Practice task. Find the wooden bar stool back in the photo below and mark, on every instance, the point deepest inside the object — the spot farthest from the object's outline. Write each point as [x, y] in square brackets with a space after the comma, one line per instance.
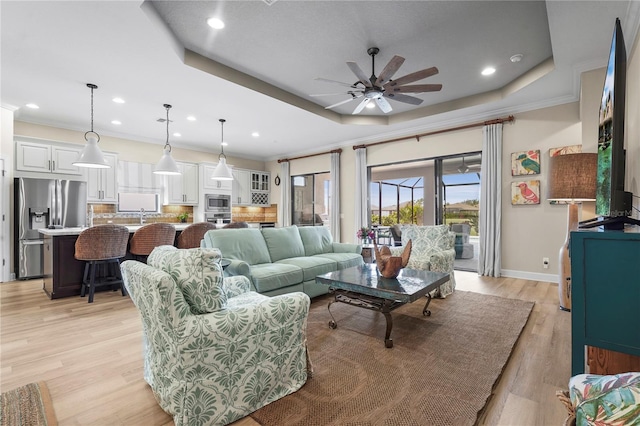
[102, 247]
[150, 236]
[191, 236]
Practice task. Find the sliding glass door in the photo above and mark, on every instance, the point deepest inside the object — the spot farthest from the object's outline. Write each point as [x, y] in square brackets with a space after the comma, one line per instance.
[310, 199]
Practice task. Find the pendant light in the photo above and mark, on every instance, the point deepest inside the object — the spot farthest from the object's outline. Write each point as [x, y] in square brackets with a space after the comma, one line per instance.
[222, 171]
[91, 156]
[167, 165]
[463, 167]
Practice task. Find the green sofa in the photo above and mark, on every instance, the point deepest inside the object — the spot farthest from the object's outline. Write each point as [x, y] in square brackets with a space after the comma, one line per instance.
[283, 260]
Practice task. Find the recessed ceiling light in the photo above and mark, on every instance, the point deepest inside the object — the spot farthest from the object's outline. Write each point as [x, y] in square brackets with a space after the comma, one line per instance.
[255, 134]
[371, 105]
[224, 144]
[488, 71]
[215, 23]
[516, 58]
[177, 135]
[32, 106]
[118, 100]
[116, 122]
[191, 118]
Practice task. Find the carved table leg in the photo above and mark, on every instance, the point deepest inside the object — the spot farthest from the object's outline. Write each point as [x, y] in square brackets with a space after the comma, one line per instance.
[426, 311]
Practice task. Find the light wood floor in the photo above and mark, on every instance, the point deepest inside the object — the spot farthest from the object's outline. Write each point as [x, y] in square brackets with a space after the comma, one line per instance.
[90, 355]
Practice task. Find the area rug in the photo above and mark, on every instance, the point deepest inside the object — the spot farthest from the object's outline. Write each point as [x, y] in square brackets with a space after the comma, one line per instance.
[27, 405]
[441, 370]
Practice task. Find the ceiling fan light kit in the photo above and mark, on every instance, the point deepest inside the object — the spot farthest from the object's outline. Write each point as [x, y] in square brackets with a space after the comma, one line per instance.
[222, 171]
[381, 88]
[167, 165]
[91, 155]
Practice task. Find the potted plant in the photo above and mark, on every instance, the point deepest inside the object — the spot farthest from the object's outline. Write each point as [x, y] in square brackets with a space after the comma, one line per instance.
[182, 217]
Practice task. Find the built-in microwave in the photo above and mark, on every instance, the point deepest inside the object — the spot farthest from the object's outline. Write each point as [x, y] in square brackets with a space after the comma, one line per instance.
[217, 203]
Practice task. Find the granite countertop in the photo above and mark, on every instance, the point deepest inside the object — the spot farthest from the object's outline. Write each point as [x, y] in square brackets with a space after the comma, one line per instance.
[77, 231]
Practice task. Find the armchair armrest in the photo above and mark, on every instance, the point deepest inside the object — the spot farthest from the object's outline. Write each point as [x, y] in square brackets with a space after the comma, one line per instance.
[236, 285]
[443, 261]
[238, 267]
[346, 248]
[279, 322]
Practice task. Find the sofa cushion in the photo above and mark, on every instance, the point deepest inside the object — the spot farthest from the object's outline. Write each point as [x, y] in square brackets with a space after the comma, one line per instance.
[283, 243]
[197, 273]
[343, 260]
[316, 239]
[311, 266]
[427, 240]
[245, 244]
[271, 276]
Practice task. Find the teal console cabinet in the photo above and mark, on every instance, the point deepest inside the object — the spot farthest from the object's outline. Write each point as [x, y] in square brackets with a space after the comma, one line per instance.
[605, 293]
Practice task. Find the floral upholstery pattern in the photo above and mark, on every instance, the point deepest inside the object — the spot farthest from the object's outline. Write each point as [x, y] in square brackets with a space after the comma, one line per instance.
[217, 367]
[198, 274]
[605, 400]
[433, 249]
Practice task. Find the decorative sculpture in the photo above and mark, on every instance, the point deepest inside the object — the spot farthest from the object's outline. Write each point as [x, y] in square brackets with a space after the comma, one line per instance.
[389, 266]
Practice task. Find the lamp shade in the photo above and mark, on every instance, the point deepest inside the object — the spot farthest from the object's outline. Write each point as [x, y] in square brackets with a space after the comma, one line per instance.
[572, 177]
[222, 171]
[166, 165]
[91, 156]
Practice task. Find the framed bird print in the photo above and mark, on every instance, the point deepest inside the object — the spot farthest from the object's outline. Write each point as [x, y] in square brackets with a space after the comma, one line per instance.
[525, 192]
[525, 163]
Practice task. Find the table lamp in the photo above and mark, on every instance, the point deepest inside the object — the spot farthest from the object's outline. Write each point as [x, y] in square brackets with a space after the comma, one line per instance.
[572, 178]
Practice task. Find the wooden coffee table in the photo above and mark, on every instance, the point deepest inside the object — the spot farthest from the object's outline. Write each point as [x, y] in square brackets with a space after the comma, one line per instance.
[363, 286]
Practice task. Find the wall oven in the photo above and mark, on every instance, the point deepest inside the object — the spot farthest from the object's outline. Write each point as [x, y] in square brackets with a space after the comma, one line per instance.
[217, 203]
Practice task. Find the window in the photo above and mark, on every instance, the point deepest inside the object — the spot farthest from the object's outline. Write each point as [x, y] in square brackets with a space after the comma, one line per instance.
[310, 199]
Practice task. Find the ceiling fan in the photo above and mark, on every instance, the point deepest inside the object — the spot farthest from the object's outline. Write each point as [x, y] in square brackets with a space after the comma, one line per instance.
[381, 88]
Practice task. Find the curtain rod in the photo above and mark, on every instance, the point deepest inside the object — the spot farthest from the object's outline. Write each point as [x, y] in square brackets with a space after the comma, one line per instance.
[451, 129]
[339, 151]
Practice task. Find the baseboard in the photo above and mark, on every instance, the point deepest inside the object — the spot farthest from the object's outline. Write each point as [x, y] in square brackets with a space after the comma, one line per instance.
[533, 276]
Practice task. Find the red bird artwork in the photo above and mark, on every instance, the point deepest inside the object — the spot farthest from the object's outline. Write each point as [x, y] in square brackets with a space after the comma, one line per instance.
[528, 194]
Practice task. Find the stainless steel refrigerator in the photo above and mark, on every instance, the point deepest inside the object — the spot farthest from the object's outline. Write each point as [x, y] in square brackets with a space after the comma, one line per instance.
[43, 203]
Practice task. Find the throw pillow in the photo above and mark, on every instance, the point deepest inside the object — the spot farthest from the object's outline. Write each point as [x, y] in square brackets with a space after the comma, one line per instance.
[197, 273]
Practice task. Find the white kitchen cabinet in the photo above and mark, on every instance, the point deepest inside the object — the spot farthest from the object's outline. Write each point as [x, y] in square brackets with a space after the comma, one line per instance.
[183, 189]
[219, 186]
[260, 188]
[102, 184]
[136, 177]
[47, 158]
[241, 194]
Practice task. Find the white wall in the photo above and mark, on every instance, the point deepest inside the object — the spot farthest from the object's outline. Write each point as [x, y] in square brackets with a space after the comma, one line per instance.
[6, 193]
[632, 123]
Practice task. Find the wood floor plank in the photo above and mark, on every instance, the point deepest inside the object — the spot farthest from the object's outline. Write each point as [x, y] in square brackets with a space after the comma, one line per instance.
[91, 355]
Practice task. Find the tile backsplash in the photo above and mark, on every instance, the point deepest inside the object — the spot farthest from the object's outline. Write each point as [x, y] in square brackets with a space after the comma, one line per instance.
[106, 213]
[255, 214]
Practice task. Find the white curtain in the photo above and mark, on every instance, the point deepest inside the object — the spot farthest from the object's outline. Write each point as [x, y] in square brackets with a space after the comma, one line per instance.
[362, 218]
[490, 201]
[285, 195]
[334, 214]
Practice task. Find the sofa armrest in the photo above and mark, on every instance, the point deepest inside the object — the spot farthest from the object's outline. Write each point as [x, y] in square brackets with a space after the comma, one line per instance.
[346, 248]
[442, 261]
[236, 285]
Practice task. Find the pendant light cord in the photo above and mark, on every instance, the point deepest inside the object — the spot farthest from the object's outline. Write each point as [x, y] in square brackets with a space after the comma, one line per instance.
[222, 121]
[167, 144]
[91, 86]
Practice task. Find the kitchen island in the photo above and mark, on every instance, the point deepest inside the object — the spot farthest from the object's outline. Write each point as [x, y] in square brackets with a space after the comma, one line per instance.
[62, 272]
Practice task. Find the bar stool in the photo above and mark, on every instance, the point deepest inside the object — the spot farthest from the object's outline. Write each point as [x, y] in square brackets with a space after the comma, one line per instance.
[150, 236]
[102, 245]
[191, 236]
[236, 225]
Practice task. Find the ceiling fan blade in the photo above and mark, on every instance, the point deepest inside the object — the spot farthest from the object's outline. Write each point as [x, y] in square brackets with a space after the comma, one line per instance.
[361, 106]
[404, 98]
[341, 103]
[326, 80]
[414, 76]
[327, 94]
[384, 105]
[414, 88]
[389, 70]
[359, 73]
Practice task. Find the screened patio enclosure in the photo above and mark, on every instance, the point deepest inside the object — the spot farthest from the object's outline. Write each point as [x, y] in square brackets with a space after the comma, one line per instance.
[443, 190]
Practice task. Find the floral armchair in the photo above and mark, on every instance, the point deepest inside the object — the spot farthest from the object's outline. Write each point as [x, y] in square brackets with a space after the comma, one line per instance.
[213, 350]
[433, 249]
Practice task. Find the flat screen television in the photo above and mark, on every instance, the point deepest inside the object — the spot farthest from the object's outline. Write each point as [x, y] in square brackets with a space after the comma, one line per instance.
[613, 203]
